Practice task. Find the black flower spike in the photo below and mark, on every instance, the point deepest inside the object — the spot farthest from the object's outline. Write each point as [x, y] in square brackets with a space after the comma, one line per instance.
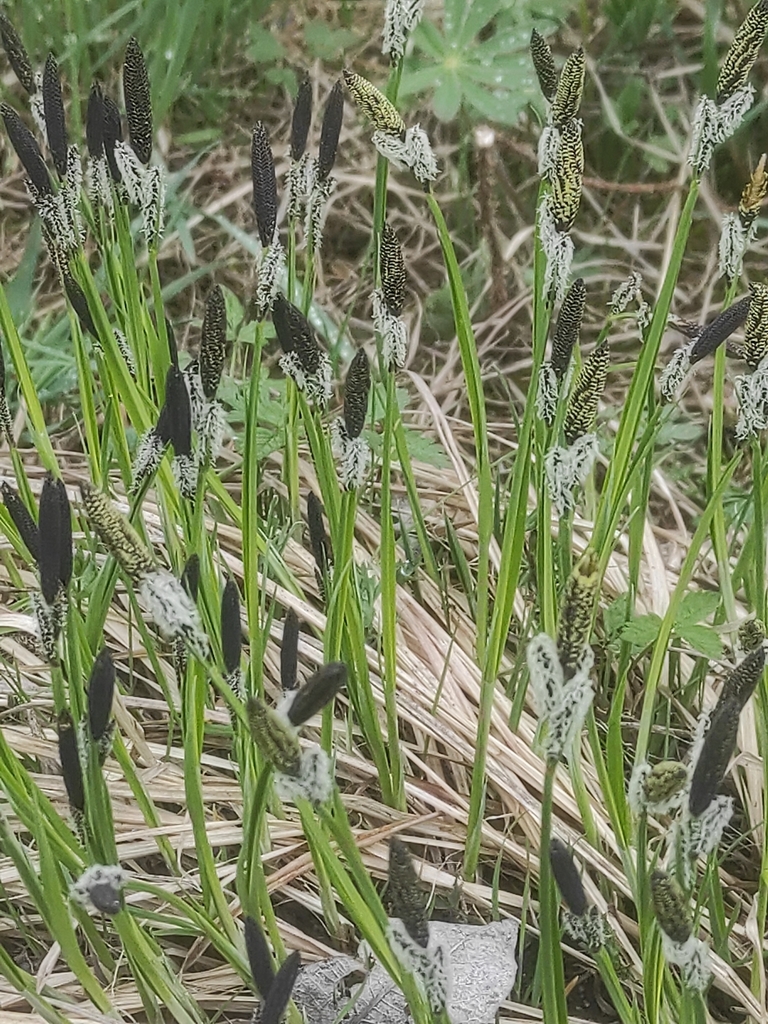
[190, 576]
[94, 121]
[6, 423]
[174, 425]
[112, 134]
[567, 877]
[22, 519]
[570, 86]
[79, 303]
[277, 1001]
[231, 630]
[743, 51]
[716, 751]
[65, 534]
[356, 390]
[17, 55]
[50, 538]
[720, 329]
[318, 690]
[302, 118]
[392, 269]
[138, 103]
[331, 130]
[406, 895]
[71, 768]
[55, 120]
[295, 334]
[544, 65]
[582, 407]
[670, 907]
[264, 184]
[318, 539]
[289, 651]
[742, 682]
[568, 327]
[101, 693]
[259, 958]
[27, 150]
[213, 342]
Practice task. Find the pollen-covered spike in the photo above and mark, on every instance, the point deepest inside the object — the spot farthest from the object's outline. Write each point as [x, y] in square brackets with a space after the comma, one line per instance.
[101, 693]
[743, 51]
[69, 758]
[568, 327]
[280, 993]
[406, 895]
[716, 751]
[190, 576]
[259, 957]
[751, 634]
[742, 681]
[295, 334]
[112, 134]
[570, 87]
[720, 329]
[79, 303]
[289, 651]
[275, 739]
[213, 342]
[94, 122]
[755, 344]
[576, 611]
[582, 407]
[264, 184]
[392, 269]
[567, 877]
[319, 689]
[753, 195]
[356, 390]
[116, 533]
[17, 55]
[333, 115]
[544, 65]
[231, 630]
[65, 533]
[567, 177]
[670, 907]
[138, 102]
[27, 150]
[49, 548]
[374, 104]
[302, 118]
[22, 519]
[318, 538]
[664, 781]
[55, 120]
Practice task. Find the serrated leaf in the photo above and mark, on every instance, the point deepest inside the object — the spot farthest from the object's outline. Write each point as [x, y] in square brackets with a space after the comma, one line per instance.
[703, 639]
[696, 606]
[642, 631]
[615, 614]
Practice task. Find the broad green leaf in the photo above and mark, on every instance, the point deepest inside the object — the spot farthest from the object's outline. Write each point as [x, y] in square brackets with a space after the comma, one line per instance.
[696, 606]
[447, 98]
[642, 631]
[703, 639]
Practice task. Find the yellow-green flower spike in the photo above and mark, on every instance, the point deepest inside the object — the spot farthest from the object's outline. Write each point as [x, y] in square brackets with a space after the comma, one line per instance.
[567, 176]
[664, 781]
[741, 56]
[544, 65]
[753, 195]
[276, 740]
[670, 907]
[756, 328]
[116, 533]
[576, 611]
[570, 87]
[374, 104]
[582, 407]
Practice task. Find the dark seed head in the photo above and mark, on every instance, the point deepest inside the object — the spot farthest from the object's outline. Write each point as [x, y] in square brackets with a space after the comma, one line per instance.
[50, 540]
[544, 65]
[22, 519]
[742, 682]
[356, 389]
[190, 576]
[276, 1002]
[318, 690]
[138, 103]
[69, 757]
[318, 538]
[392, 269]
[264, 184]
[231, 630]
[289, 651]
[17, 55]
[406, 895]
[94, 122]
[106, 896]
[567, 877]
[213, 342]
[79, 303]
[174, 425]
[65, 534]
[720, 329]
[716, 751]
[101, 692]
[295, 334]
[302, 118]
[568, 327]
[331, 130]
[670, 908]
[55, 121]
[259, 958]
[27, 150]
[112, 134]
